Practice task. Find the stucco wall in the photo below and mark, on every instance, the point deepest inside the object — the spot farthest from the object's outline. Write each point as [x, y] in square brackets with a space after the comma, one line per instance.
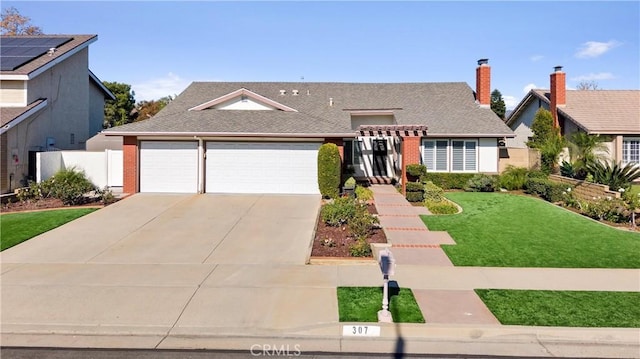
[96, 110]
[488, 155]
[66, 88]
[520, 157]
[522, 125]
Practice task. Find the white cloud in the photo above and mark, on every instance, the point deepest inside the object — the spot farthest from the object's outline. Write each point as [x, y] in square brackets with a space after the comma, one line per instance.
[528, 88]
[593, 77]
[594, 48]
[154, 89]
[510, 101]
[536, 58]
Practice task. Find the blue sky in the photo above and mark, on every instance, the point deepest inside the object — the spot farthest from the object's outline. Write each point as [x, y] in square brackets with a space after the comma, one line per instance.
[159, 47]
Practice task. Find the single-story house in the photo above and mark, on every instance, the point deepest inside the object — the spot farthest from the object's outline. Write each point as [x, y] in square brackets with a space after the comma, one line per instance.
[49, 100]
[263, 137]
[614, 114]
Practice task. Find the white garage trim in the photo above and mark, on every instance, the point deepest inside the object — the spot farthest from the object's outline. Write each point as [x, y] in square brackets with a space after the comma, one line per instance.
[262, 167]
[169, 166]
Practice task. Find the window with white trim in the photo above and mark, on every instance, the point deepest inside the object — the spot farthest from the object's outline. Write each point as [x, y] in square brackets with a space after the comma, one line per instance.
[435, 155]
[464, 155]
[631, 150]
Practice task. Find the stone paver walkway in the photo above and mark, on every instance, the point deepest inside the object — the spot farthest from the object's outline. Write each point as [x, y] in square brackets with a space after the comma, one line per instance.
[414, 244]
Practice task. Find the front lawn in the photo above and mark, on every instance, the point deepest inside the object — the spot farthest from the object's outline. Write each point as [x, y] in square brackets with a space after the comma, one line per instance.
[361, 304]
[563, 308]
[18, 227]
[506, 230]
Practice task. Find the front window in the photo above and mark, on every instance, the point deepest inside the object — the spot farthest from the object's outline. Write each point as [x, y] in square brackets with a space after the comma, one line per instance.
[435, 156]
[353, 152]
[463, 155]
[454, 155]
[631, 150]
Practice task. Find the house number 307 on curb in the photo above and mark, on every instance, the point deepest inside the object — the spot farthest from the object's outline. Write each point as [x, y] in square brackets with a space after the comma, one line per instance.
[361, 330]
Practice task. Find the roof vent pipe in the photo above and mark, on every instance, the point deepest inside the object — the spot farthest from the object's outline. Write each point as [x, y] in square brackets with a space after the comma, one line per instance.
[330, 101]
[294, 92]
[283, 92]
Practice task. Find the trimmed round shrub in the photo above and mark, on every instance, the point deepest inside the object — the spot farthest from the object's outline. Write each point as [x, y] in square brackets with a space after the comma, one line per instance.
[481, 183]
[329, 170]
[433, 192]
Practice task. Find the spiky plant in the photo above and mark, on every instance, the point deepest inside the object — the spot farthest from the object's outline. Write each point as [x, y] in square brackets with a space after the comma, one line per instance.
[614, 175]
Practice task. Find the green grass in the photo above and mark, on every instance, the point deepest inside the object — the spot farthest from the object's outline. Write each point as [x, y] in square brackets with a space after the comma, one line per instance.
[506, 230]
[16, 228]
[361, 304]
[563, 308]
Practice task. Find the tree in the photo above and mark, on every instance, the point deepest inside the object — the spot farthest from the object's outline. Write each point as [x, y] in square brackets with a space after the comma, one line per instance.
[547, 139]
[497, 104]
[12, 23]
[587, 85]
[119, 112]
[147, 109]
[542, 128]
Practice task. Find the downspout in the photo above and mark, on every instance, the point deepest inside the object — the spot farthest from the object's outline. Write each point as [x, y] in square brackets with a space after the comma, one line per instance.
[201, 161]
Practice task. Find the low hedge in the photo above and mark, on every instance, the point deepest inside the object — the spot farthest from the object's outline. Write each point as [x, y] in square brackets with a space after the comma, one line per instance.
[415, 187]
[415, 196]
[547, 189]
[441, 207]
[449, 180]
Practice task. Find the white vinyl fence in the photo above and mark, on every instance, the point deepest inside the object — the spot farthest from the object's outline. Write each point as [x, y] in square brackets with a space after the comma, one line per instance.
[104, 169]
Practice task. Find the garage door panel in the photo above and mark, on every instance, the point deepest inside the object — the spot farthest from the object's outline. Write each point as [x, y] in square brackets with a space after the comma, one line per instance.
[167, 166]
[262, 167]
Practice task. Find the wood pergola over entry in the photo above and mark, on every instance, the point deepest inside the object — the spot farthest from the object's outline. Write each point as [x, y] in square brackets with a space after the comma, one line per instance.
[410, 136]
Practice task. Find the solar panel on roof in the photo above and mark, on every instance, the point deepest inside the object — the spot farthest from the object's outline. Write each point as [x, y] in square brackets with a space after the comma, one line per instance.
[17, 51]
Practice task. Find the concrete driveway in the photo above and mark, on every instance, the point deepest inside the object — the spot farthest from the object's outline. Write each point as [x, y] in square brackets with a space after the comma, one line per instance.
[188, 229]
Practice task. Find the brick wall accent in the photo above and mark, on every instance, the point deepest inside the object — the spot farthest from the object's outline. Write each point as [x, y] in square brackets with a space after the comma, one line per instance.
[410, 155]
[130, 164]
[586, 190]
[558, 94]
[338, 142]
[483, 84]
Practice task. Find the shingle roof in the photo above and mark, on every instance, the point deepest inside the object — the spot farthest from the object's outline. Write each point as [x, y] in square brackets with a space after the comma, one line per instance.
[601, 111]
[26, 69]
[8, 114]
[446, 108]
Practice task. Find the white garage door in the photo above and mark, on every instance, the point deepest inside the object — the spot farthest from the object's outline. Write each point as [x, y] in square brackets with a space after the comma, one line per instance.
[262, 167]
[167, 166]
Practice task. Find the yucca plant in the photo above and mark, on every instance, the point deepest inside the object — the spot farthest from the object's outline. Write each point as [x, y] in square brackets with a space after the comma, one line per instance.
[614, 175]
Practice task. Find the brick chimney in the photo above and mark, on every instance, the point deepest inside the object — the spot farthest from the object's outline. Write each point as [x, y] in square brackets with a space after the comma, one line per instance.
[558, 93]
[483, 83]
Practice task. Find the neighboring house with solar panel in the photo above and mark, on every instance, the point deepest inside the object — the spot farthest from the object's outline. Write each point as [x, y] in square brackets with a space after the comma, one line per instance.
[614, 114]
[49, 100]
[263, 137]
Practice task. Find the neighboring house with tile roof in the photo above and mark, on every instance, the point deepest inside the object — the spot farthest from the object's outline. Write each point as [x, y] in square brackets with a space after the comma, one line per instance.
[614, 114]
[49, 100]
[263, 137]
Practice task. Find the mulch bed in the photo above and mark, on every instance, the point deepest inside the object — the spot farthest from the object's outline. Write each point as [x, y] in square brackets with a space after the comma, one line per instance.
[44, 204]
[341, 238]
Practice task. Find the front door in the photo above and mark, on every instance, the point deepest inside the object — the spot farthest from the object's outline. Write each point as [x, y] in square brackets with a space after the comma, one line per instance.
[380, 157]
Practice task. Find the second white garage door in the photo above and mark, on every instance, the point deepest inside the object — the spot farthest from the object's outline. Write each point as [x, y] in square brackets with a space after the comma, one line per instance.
[262, 167]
